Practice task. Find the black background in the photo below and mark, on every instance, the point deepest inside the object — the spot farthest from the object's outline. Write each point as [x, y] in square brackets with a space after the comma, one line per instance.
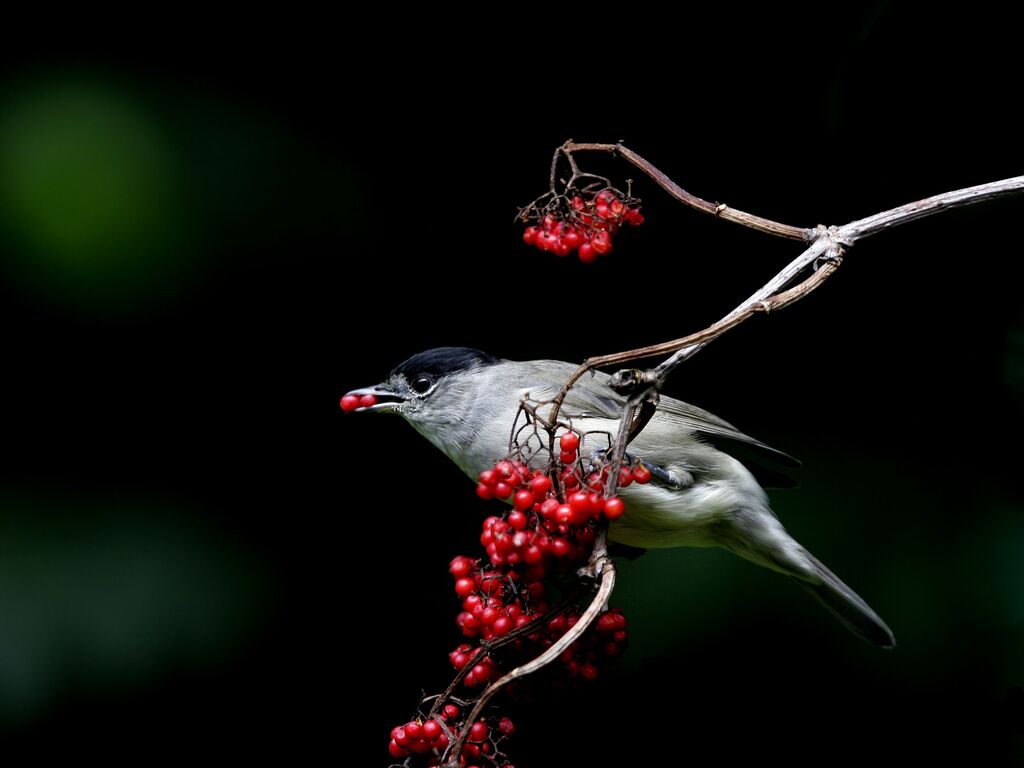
[891, 382]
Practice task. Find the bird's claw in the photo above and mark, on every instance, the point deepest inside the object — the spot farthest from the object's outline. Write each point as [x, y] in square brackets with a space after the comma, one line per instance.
[668, 478]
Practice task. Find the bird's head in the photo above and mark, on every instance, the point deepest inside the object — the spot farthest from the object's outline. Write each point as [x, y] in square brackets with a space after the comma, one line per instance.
[434, 391]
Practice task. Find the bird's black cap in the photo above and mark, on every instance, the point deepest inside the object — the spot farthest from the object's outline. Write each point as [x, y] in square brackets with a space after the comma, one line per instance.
[442, 361]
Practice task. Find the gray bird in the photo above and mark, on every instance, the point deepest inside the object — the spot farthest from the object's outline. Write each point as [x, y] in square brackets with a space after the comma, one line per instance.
[706, 489]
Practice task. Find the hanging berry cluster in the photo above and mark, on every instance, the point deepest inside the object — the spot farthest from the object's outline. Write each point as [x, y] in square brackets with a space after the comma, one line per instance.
[513, 605]
[584, 223]
[431, 737]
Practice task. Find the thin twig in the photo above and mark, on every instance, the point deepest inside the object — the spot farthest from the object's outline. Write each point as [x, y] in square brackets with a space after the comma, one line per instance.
[719, 210]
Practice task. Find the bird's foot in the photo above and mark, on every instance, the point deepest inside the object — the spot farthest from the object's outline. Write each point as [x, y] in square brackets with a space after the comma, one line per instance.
[669, 478]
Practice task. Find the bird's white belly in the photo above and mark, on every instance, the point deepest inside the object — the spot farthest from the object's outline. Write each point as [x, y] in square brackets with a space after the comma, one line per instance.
[657, 517]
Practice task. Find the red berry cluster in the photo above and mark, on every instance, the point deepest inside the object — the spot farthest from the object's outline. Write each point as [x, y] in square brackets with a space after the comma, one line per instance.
[549, 531]
[587, 227]
[350, 402]
[431, 736]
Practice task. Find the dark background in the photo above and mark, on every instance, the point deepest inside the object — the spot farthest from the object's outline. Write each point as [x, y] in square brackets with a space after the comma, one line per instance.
[206, 239]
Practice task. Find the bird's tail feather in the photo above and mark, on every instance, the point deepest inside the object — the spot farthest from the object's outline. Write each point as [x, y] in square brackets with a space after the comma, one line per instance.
[845, 604]
[762, 539]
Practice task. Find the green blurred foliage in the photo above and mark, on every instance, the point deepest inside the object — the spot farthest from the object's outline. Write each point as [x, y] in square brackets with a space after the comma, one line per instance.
[104, 595]
[118, 199]
[91, 196]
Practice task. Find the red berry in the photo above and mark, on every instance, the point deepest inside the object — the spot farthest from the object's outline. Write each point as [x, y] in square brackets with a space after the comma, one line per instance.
[431, 729]
[489, 477]
[460, 566]
[569, 441]
[524, 499]
[641, 474]
[606, 623]
[485, 492]
[587, 253]
[572, 238]
[614, 507]
[567, 457]
[469, 625]
[517, 520]
[414, 730]
[579, 503]
[502, 490]
[397, 751]
[489, 616]
[478, 732]
[481, 672]
[502, 625]
[560, 547]
[561, 248]
[367, 400]
[540, 485]
[464, 587]
[530, 235]
[506, 726]
[549, 508]
[450, 711]
[625, 477]
[349, 403]
[602, 243]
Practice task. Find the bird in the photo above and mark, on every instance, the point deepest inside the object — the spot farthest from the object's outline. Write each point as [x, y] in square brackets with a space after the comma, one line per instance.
[707, 475]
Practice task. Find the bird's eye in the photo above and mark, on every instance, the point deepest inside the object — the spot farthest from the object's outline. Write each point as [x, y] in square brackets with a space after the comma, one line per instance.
[421, 384]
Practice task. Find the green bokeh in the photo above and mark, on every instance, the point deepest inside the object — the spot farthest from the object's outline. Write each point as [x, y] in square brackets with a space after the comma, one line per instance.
[99, 596]
[89, 194]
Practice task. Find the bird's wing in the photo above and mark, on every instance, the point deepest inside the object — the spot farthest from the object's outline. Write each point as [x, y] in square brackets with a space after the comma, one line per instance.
[771, 467]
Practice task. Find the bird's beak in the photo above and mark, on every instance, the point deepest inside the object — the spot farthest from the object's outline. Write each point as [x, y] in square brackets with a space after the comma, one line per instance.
[386, 399]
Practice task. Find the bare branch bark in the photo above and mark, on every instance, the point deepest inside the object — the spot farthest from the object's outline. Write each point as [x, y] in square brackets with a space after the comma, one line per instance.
[827, 246]
[858, 230]
[719, 210]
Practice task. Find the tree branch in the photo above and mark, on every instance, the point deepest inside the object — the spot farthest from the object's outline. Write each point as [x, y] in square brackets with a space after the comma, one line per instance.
[719, 210]
[827, 246]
